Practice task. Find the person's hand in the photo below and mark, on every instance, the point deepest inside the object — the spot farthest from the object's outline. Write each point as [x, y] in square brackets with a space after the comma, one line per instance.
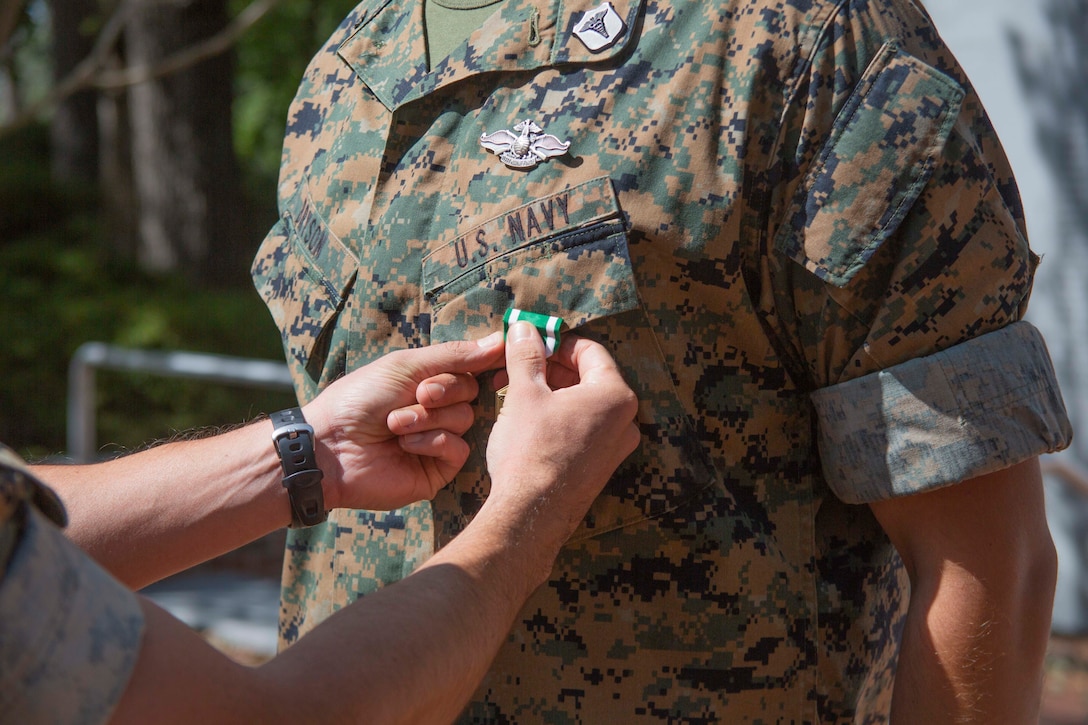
[566, 424]
[389, 433]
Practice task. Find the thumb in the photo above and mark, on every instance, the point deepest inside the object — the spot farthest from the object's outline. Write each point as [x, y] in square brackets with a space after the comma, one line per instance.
[525, 355]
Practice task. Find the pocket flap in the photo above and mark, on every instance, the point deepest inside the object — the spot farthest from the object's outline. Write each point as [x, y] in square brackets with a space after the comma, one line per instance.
[564, 254]
[881, 152]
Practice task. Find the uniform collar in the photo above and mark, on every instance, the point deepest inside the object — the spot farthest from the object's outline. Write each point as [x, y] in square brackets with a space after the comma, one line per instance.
[388, 53]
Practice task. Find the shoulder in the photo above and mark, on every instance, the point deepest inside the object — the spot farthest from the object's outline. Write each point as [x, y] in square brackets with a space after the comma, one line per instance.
[69, 632]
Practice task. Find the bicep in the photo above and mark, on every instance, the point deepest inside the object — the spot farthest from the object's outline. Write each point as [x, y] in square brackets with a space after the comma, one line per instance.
[993, 526]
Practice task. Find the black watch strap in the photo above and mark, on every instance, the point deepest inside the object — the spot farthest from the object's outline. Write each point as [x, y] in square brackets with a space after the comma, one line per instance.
[293, 438]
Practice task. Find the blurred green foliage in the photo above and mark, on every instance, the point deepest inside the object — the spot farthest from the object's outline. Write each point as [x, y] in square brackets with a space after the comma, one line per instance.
[59, 289]
[272, 57]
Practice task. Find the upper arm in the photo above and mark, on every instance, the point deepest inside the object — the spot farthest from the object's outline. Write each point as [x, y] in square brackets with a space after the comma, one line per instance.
[992, 527]
[982, 572]
[180, 678]
[899, 270]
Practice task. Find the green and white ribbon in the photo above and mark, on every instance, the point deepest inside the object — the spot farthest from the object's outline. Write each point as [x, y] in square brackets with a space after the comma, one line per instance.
[548, 325]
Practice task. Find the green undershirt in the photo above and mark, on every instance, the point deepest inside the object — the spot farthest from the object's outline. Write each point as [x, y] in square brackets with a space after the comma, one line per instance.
[449, 22]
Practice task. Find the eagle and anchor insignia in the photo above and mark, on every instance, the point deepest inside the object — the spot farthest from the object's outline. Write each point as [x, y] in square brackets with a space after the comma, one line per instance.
[526, 148]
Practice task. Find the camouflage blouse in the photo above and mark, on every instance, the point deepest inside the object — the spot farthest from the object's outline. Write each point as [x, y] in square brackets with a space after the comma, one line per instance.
[793, 225]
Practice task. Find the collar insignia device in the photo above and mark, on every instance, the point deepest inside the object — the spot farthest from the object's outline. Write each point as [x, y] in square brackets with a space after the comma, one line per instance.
[599, 28]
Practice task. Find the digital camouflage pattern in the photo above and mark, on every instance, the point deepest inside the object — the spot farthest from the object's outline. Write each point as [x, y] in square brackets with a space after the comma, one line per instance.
[69, 632]
[762, 200]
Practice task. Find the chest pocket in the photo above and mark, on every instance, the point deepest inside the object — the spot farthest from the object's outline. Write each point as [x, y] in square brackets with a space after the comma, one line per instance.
[566, 255]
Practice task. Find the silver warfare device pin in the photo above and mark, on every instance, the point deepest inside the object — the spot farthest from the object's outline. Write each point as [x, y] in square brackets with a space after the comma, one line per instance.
[526, 148]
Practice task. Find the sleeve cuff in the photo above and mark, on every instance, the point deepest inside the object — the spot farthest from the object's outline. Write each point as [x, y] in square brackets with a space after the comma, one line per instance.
[975, 408]
[70, 632]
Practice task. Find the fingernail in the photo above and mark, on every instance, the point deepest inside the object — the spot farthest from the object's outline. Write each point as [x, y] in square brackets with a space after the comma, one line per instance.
[521, 331]
[413, 439]
[436, 391]
[406, 418]
[492, 340]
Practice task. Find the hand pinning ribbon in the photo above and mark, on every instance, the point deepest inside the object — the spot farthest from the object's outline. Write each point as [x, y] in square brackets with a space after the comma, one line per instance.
[548, 325]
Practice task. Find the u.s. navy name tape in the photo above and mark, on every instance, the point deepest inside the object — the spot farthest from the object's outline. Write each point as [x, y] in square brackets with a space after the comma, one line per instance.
[548, 325]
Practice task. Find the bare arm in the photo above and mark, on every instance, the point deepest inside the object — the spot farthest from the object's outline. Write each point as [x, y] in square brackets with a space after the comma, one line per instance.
[415, 651]
[153, 513]
[982, 568]
[411, 652]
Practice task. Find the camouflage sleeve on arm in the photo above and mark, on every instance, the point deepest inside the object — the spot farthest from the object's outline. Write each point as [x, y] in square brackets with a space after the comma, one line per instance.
[978, 407]
[69, 632]
[903, 237]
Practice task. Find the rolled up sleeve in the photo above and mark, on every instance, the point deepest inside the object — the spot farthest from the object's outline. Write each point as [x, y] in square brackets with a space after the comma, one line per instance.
[69, 632]
[977, 407]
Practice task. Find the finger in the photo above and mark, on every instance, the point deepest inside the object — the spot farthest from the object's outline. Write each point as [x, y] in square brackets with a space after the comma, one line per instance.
[448, 448]
[563, 365]
[446, 389]
[560, 376]
[525, 362]
[563, 356]
[418, 419]
[592, 360]
[460, 356]
[562, 368]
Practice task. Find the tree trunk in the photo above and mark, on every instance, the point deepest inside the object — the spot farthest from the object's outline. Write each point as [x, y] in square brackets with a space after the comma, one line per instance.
[120, 205]
[74, 129]
[186, 174]
[10, 14]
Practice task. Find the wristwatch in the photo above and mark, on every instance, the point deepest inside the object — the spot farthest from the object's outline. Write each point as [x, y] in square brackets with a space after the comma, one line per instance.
[293, 439]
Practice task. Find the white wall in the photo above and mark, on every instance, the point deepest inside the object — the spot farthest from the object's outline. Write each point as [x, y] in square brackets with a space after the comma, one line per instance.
[977, 31]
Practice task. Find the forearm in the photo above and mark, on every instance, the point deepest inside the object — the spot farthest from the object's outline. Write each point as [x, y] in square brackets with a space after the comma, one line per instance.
[416, 651]
[972, 653]
[156, 512]
[412, 652]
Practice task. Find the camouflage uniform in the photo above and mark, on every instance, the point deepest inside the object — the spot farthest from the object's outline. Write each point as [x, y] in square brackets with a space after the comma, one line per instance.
[69, 632]
[792, 224]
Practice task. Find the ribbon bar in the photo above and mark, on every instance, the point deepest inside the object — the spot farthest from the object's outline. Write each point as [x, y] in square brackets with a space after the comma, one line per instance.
[548, 325]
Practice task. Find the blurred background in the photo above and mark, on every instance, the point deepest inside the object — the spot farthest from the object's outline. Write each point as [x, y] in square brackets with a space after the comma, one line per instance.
[139, 146]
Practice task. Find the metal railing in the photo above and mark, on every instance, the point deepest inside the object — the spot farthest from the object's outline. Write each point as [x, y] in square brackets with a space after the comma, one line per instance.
[91, 356]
